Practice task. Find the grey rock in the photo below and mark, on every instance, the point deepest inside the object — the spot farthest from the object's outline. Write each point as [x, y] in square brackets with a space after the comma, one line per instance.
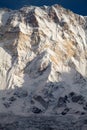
[12, 98]
[21, 93]
[65, 111]
[7, 104]
[36, 110]
[42, 101]
[62, 102]
[78, 98]
[85, 106]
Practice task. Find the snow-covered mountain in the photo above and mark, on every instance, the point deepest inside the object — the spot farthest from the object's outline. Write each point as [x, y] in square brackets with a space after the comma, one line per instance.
[43, 61]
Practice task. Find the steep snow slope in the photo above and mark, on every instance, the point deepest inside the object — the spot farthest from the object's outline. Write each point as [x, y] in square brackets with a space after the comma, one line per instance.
[43, 61]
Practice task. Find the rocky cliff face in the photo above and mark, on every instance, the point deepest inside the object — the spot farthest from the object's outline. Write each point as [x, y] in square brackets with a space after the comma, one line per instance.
[43, 61]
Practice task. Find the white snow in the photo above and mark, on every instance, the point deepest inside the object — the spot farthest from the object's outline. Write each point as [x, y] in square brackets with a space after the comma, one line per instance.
[3, 17]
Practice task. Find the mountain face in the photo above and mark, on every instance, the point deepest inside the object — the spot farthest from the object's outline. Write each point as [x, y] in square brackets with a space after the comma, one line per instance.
[43, 61]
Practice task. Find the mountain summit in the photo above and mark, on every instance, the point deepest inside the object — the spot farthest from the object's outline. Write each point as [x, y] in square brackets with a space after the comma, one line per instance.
[43, 61]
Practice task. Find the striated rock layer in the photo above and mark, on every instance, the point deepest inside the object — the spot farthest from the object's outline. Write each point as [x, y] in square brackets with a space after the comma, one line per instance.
[43, 61]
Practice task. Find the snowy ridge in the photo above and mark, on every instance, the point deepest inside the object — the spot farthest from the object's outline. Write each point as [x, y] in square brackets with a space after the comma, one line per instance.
[43, 61]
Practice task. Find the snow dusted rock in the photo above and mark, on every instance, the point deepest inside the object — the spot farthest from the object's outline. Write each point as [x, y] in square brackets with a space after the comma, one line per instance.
[43, 58]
